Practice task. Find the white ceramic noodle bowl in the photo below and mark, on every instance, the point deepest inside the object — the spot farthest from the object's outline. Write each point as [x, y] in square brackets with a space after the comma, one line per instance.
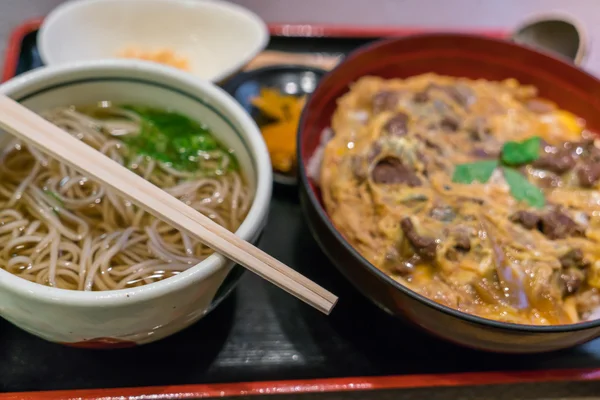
[150, 312]
[218, 38]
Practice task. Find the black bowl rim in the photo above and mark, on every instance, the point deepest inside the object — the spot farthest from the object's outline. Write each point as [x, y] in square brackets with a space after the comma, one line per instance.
[235, 82]
[303, 179]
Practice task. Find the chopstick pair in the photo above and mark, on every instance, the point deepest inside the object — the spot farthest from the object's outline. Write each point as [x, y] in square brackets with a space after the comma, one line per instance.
[53, 141]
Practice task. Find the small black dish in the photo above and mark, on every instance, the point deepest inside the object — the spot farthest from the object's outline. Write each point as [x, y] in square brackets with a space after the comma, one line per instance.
[294, 80]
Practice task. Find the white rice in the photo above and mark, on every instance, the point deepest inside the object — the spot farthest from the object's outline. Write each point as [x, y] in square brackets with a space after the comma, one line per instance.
[313, 166]
[594, 315]
[360, 116]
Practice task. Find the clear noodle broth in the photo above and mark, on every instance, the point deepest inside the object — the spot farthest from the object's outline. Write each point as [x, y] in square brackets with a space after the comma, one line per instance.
[60, 229]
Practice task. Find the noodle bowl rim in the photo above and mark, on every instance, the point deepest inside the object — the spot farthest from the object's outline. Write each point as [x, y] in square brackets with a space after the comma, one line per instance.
[46, 79]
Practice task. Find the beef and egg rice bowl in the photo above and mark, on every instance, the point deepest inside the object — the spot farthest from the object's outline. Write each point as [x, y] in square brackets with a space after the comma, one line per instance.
[476, 194]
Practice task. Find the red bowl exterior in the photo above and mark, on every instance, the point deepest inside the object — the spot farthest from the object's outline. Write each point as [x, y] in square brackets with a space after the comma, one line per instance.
[462, 56]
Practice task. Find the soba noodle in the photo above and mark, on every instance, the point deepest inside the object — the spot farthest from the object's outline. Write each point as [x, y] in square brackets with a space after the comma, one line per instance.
[60, 229]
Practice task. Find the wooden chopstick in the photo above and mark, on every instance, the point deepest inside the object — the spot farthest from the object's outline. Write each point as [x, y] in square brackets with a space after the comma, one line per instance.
[55, 142]
[272, 57]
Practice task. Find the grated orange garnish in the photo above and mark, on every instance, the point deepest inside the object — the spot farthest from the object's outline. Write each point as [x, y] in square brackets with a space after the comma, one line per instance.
[280, 135]
[162, 56]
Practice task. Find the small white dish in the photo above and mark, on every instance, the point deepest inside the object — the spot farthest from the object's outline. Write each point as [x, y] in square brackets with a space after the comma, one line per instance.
[217, 38]
[147, 313]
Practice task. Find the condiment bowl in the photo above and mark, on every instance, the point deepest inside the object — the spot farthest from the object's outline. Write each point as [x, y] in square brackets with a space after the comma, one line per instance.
[147, 313]
[291, 80]
[460, 56]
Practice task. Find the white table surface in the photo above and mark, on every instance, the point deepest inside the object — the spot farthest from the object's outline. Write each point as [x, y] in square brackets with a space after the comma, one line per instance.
[501, 14]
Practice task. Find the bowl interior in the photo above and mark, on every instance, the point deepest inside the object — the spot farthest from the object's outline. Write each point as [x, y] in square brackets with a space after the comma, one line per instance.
[217, 38]
[141, 91]
[131, 82]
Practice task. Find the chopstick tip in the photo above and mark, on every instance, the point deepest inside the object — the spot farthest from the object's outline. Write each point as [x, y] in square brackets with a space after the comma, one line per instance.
[333, 302]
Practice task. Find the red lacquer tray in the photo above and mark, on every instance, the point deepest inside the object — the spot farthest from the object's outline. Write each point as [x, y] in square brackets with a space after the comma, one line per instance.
[555, 385]
[265, 338]
[348, 36]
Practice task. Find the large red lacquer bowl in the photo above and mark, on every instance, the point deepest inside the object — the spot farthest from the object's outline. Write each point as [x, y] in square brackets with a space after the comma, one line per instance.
[462, 56]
